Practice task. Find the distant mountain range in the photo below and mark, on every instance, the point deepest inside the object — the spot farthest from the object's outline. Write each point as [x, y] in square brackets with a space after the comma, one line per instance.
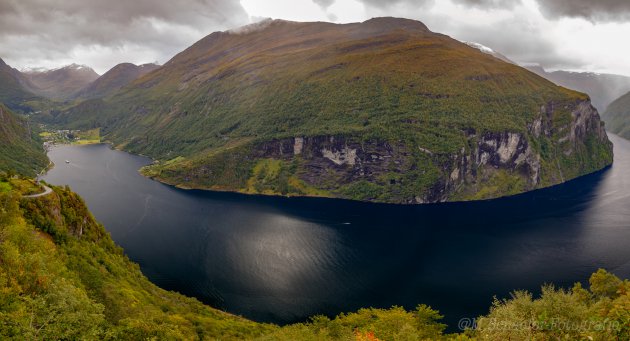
[617, 116]
[61, 83]
[383, 110]
[32, 89]
[603, 88]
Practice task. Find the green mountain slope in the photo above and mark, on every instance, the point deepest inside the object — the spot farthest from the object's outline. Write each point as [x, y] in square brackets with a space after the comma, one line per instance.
[13, 91]
[617, 116]
[384, 111]
[62, 277]
[20, 150]
[114, 79]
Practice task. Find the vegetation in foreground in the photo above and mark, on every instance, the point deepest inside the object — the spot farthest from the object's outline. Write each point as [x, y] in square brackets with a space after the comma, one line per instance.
[62, 277]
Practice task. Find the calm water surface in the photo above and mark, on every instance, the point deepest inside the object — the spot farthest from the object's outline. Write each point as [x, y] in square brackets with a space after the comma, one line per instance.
[282, 260]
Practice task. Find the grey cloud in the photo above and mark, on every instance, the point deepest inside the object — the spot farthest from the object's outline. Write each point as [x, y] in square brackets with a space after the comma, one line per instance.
[422, 3]
[593, 10]
[324, 3]
[519, 40]
[385, 4]
[489, 3]
[53, 28]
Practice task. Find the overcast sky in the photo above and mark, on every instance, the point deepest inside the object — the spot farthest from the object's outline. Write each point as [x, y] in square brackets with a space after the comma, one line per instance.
[587, 35]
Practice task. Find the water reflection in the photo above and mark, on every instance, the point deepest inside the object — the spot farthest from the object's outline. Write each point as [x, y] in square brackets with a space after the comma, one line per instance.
[282, 260]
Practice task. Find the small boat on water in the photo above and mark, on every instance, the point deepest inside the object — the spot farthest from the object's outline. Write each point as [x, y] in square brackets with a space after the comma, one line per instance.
[67, 161]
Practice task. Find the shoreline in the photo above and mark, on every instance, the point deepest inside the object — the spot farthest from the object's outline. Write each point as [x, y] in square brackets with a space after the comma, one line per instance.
[456, 202]
[290, 196]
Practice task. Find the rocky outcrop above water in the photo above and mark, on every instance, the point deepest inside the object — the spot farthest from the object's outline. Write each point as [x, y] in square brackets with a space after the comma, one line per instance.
[561, 143]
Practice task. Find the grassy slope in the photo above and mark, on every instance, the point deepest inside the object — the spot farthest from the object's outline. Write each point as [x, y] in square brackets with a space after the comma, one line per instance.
[387, 79]
[617, 116]
[69, 280]
[62, 277]
[353, 79]
[20, 149]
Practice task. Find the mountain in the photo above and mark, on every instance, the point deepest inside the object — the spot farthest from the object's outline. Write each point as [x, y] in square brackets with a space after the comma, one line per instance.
[20, 151]
[602, 88]
[114, 79]
[617, 116]
[62, 83]
[13, 88]
[383, 110]
[63, 278]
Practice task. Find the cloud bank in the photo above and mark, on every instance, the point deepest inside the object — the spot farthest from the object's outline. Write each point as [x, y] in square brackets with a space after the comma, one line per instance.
[558, 34]
[593, 10]
[41, 32]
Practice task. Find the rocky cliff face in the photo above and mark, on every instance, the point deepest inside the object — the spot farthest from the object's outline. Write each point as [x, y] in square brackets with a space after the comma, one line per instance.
[563, 142]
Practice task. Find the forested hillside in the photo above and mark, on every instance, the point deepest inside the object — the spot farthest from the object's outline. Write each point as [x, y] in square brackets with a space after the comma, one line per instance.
[21, 150]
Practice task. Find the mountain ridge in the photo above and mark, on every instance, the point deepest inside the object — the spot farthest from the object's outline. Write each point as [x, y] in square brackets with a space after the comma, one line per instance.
[383, 110]
[61, 83]
[115, 78]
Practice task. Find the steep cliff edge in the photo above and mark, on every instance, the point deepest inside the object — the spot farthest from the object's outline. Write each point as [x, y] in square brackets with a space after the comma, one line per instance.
[565, 141]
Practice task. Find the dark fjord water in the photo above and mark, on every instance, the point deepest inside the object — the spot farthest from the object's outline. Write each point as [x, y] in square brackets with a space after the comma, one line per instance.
[282, 260]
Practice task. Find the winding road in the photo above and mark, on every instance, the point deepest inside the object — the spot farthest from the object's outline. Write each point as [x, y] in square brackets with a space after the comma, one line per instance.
[47, 190]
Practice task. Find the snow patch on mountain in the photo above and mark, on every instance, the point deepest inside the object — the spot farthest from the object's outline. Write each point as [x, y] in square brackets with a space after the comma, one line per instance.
[480, 47]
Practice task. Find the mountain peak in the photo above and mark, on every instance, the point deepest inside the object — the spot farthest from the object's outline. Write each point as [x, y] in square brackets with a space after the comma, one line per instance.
[117, 77]
[397, 23]
[75, 66]
[70, 67]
